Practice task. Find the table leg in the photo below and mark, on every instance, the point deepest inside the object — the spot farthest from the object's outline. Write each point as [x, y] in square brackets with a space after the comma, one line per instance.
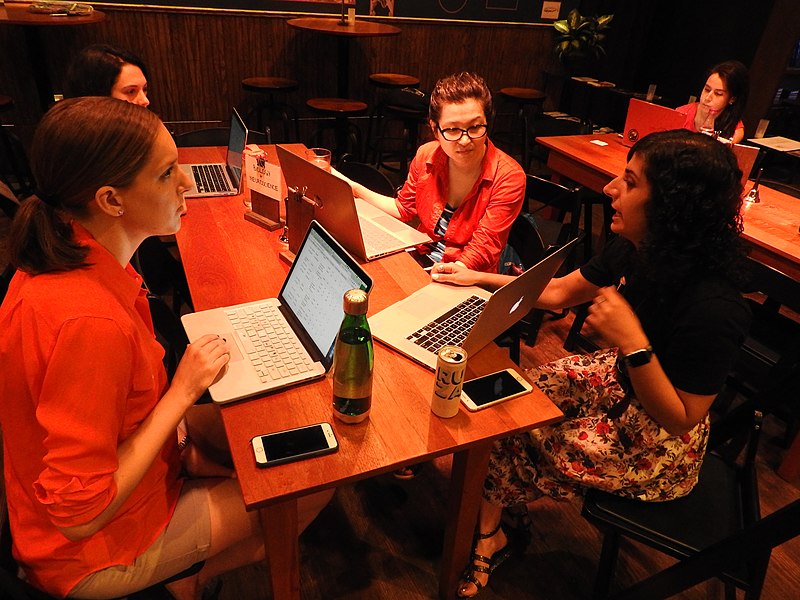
[343, 67]
[279, 523]
[466, 485]
[39, 67]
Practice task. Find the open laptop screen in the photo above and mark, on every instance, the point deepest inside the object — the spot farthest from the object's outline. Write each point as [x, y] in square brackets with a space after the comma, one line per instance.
[236, 144]
[314, 288]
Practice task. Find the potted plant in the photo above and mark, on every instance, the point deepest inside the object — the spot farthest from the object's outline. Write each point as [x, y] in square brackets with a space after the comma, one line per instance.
[579, 41]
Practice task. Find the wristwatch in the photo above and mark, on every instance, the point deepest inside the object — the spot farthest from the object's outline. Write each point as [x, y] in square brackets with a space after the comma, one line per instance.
[639, 357]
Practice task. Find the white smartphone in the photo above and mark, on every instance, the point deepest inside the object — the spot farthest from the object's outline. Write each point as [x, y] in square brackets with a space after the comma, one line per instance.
[294, 444]
[482, 392]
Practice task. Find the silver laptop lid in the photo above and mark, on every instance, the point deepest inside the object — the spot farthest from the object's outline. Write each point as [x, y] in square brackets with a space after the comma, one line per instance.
[236, 144]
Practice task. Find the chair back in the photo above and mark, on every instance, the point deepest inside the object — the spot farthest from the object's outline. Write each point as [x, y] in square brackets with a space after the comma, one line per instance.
[562, 201]
[15, 172]
[366, 175]
[217, 136]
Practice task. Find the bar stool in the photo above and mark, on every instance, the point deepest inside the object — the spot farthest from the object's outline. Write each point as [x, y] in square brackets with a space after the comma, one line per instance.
[528, 103]
[347, 134]
[269, 108]
[383, 84]
[402, 147]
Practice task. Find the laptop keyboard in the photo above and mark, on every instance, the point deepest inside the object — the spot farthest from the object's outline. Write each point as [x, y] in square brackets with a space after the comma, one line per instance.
[269, 342]
[210, 178]
[375, 238]
[451, 328]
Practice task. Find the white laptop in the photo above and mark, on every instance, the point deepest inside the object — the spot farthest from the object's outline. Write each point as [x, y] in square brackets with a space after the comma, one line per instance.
[644, 118]
[309, 312]
[364, 230]
[441, 314]
[220, 179]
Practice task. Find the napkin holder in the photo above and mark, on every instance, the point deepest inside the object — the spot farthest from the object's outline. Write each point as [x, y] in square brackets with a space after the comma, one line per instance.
[299, 214]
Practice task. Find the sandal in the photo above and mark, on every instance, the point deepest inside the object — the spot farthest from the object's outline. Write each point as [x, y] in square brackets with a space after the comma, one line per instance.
[491, 563]
[406, 473]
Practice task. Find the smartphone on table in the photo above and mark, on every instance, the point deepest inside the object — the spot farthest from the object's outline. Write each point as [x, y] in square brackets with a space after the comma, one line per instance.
[488, 390]
[294, 444]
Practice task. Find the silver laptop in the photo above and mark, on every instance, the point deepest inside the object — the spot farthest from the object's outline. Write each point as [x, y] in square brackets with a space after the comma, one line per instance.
[441, 314]
[364, 230]
[289, 339]
[220, 179]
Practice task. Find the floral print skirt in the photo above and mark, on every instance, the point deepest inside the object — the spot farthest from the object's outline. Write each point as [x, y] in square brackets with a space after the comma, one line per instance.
[606, 440]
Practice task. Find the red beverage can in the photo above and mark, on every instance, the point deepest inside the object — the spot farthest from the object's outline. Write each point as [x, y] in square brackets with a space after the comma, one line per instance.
[451, 368]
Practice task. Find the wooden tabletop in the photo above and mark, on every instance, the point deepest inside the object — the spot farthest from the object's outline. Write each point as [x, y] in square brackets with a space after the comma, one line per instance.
[333, 26]
[230, 260]
[770, 227]
[17, 13]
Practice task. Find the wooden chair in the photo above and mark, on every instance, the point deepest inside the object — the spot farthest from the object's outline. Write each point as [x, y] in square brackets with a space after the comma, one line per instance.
[715, 531]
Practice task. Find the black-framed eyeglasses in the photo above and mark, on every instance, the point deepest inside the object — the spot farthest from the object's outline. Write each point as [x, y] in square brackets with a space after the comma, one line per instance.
[454, 134]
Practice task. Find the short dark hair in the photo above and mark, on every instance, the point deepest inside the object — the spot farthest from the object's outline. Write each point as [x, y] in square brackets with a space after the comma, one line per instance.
[455, 89]
[693, 214]
[80, 145]
[96, 68]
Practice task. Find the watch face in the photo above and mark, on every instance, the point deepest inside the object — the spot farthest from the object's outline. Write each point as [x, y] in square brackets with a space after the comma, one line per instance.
[639, 357]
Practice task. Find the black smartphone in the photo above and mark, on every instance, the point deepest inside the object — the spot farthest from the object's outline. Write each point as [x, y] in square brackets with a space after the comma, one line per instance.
[294, 444]
[485, 391]
[423, 260]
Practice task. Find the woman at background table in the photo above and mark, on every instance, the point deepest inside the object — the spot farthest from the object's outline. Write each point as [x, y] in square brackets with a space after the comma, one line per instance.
[98, 507]
[104, 70]
[722, 102]
[464, 190]
[663, 297]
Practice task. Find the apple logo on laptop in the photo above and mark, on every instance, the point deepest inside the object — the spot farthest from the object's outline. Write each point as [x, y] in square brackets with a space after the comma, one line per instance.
[516, 305]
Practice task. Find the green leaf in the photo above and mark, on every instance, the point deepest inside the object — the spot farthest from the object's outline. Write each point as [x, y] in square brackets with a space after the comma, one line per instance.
[561, 26]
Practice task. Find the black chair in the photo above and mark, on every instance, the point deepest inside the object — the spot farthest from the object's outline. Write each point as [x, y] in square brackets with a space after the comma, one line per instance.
[710, 530]
[366, 175]
[217, 136]
[14, 170]
[562, 201]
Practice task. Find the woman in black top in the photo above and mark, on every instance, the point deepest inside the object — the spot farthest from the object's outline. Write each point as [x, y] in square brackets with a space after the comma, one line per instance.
[663, 297]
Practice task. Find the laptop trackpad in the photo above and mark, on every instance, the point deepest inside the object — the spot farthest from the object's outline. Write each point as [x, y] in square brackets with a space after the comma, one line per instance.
[233, 344]
[420, 306]
[390, 223]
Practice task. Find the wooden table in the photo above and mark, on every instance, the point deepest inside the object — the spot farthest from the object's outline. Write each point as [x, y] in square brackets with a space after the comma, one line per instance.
[17, 14]
[770, 227]
[230, 260]
[344, 33]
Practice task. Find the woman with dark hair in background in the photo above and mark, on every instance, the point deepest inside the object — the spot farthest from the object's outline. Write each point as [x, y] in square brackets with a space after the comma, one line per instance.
[104, 70]
[722, 101]
[665, 300]
[98, 507]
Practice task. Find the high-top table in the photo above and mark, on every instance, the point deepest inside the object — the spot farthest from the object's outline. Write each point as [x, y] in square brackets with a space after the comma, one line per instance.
[770, 227]
[230, 260]
[344, 34]
[16, 13]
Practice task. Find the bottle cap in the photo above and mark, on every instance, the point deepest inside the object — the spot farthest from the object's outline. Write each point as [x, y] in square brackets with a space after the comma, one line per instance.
[355, 302]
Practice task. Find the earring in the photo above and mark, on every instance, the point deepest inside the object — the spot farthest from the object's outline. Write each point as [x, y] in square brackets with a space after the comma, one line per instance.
[121, 212]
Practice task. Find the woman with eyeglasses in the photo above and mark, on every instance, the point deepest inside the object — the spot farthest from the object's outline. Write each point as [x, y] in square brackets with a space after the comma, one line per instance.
[465, 192]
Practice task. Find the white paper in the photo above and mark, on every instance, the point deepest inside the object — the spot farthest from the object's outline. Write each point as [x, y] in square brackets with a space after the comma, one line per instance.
[782, 144]
[263, 177]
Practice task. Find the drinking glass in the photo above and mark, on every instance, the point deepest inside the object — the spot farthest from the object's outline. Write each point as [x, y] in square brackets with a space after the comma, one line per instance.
[320, 157]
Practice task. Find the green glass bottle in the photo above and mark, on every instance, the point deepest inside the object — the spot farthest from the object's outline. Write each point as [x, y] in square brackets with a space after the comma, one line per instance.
[352, 361]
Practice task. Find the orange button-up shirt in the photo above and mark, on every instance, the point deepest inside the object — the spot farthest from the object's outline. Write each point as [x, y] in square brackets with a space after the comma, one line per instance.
[479, 228]
[81, 370]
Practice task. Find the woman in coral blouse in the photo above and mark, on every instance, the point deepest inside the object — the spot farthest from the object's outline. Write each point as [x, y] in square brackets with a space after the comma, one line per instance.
[465, 192]
[98, 504]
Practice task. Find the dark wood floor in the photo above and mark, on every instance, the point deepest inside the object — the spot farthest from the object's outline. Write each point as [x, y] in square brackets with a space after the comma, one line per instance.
[381, 538]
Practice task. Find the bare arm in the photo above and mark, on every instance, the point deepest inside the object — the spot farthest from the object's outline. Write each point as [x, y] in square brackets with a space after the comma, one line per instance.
[386, 203]
[675, 410]
[197, 370]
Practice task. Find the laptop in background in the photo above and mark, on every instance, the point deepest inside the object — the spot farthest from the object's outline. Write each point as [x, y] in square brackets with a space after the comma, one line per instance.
[308, 312]
[746, 157]
[220, 179]
[645, 118]
[363, 229]
[440, 314]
